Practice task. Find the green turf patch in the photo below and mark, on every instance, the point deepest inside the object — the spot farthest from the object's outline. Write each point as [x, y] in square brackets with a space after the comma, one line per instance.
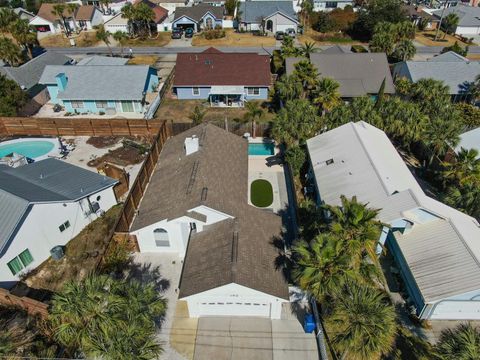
[261, 193]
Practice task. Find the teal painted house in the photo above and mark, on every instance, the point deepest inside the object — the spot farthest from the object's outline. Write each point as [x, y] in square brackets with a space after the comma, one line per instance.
[101, 88]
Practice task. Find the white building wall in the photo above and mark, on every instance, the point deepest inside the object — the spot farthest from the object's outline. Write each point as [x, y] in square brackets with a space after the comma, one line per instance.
[234, 293]
[322, 5]
[97, 18]
[40, 232]
[281, 23]
[467, 30]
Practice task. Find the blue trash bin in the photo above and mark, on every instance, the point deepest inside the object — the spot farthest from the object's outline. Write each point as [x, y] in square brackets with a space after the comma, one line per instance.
[309, 323]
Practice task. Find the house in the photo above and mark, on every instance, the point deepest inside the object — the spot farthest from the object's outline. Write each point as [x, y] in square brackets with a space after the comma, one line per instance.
[171, 5]
[324, 5]
[358, 74]
[23, 14]
[101, 88]
[271, 16]
[27, 76]
[43, 205]
[196, 206]
[416, 14]
[469, 19]
[435, 247]
[199, 17]
[470, 140]
[297, 4]
[120, 23]
[225, 79]
[454, 70]
[84, 18]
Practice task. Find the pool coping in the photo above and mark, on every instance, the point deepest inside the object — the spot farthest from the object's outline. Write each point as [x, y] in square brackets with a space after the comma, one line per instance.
[55, 152]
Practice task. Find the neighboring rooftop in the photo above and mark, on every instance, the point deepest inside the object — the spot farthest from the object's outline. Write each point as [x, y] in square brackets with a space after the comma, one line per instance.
[449, 56]
[470, 140]
[357, 74]
[197, 12]
[337, 49]
[88, 82]
[43, 181]
[213, 67]
[28, 75]
[160, 12]
[83, 12]
[102, 60]
[220, 181]
[253, 11]
[469, 16]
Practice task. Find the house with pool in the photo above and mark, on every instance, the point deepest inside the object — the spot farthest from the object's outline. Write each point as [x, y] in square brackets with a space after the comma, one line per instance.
[222, 79]
[206, 219]
[102, 89]
[436, 248]
[44, 205]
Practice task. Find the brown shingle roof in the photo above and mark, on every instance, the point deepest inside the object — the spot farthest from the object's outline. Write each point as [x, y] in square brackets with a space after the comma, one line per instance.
[160, 12]
[85, 12]
[213, 67]
[231, 251]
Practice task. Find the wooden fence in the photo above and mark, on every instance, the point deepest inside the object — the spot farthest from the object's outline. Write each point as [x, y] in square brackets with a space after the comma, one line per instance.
[29, 126]
[31, 306]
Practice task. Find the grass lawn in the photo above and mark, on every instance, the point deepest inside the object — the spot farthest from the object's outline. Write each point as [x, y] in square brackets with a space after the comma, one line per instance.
[161, 39]
[179, 110]
[261, 193]
[143, 60]
[234, 39]
[326, 39]
[427, 38]
[82, 254]
[84, 39]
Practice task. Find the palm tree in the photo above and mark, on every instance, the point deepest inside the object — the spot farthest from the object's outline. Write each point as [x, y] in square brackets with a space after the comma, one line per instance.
[464, 169]
[450, 23]
[364, 323]
[71, 10]
[107, 318]
[426, 90]
[254, 112]
[7, 16]
[59, 11]
[288, 47]
[382, 42]
[465, 198]
[104, 35]
[24, 34]
[405, 30]
[288, 87]
[9, 51]
[441, 134]
[145, 15]
[121, 38]
[197, 115]
[326, 94]
[405, 50]
[307, 74]
[128, 12]
[308, 48]
[105, 3]
[462, 343]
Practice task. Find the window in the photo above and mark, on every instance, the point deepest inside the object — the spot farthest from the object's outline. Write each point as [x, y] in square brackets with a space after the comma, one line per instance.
[127, 106]
[77, 104]
[64, 226]
[331, 4]
[253, 91]
[19, 262]
[196, 91]
[161, 237]
[102, 104]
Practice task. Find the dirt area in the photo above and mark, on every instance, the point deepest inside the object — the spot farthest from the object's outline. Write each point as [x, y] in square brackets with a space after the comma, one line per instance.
[427, 38]
[143, 60]
[123, 156]
[179, 110]
[84, 39]
[162, 39]
[101, 142]
[326, 39]
[82, 254]
[234, 39]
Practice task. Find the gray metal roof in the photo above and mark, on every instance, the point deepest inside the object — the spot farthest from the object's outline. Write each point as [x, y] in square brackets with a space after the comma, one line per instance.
[468, 15]
[197, 12]
[44, 181]
[28, 74]
[253, 11]
[100, 82]
[457, 75]
[337, 49]
[449, 56]
[357, 74]
[102, 60]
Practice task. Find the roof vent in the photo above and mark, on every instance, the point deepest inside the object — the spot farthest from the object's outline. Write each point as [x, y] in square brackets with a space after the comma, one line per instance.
[191, 145]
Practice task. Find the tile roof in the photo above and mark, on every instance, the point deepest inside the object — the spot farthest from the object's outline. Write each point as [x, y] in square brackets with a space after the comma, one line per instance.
[103, 82]
[28, 74]
[43, 181]
[197, 12]
[222, 168]
[253, 11]
[357, 74]
[213, 67]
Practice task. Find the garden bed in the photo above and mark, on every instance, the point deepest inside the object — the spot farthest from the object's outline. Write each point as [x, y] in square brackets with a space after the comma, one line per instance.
[122, 156]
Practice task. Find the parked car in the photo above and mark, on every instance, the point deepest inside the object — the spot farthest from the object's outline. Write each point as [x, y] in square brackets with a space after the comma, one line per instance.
[177, 33]
[290, 32]
[279, 35]
[189, 33]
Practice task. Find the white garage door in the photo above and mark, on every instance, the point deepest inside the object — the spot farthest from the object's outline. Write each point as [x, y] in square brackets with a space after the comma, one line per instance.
[237, 308]
[285, 27]
[457, 310]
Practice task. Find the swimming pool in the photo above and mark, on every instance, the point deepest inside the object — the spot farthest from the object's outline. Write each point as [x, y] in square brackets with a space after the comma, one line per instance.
[32, 148]
[264, 148]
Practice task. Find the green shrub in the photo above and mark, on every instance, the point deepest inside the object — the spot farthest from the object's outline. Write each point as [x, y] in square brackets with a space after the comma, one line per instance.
[358, 49]
[214, 34]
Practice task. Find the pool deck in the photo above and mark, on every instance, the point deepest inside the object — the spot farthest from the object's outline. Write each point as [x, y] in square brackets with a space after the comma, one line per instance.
[55, 152]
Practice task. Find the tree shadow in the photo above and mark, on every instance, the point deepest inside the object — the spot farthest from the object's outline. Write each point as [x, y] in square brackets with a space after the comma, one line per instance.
[147, 273]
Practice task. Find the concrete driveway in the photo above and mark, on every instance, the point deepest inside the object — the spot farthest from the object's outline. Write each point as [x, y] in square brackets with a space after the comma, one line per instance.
[242, 338]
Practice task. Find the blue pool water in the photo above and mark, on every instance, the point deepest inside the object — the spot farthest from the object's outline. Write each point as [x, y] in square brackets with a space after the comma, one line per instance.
[31, 149]
[261, 149]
